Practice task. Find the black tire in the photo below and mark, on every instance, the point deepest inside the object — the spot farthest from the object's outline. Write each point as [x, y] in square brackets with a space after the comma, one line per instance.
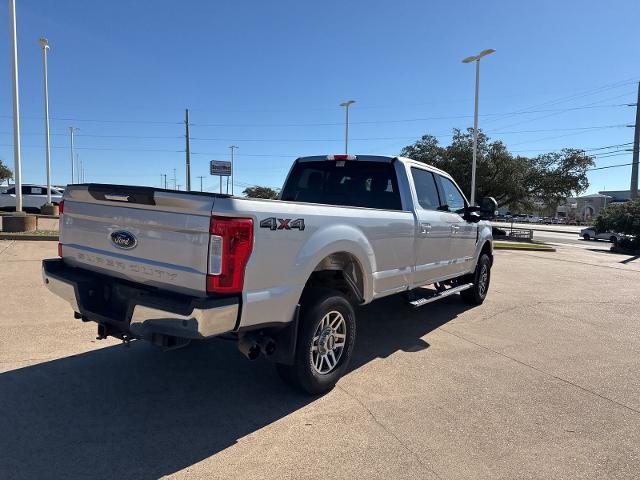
[317, 304]
[614, 240]
[481, 279]
[586, 236]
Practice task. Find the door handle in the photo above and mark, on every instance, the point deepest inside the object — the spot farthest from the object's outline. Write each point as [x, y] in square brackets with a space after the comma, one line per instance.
[425, 228]
[454, 228]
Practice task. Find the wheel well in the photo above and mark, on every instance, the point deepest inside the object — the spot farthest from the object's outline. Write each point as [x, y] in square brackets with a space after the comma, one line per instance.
[339, 271]
[486, 248]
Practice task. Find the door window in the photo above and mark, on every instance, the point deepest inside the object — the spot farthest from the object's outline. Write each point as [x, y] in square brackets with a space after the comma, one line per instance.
[29, 190]
[451, 196]
[426, 189]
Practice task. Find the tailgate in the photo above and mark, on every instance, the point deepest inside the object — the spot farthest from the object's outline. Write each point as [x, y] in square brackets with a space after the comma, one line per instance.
[152, 236]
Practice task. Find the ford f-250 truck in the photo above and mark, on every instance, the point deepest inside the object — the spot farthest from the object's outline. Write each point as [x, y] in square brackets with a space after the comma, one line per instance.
[282, 277]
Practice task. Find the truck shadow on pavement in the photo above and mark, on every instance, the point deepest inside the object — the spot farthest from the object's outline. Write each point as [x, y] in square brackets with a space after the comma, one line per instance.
[138, 412]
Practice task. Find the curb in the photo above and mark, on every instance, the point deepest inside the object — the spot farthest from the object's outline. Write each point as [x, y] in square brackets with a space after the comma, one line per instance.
[523, 249]
[12, 236]
[503, 226]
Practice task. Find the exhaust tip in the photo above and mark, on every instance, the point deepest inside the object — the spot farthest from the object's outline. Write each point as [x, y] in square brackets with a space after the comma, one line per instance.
[268, 346]
[253, 353]
[249, 348]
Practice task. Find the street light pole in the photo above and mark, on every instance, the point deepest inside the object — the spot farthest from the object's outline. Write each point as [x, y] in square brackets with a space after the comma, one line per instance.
[476, 58]
[44, 43]
[17, 175]
[346, 124]
[232, 147]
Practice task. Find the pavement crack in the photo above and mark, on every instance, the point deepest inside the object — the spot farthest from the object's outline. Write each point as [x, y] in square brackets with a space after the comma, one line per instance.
[564, 380]
[381, 425]
[11, 242]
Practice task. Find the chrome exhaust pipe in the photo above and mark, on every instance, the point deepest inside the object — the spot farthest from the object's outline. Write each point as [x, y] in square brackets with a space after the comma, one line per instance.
[267, 346]
[249, 347]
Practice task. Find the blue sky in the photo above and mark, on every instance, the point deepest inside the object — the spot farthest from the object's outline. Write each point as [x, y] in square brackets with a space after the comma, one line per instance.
[268, 77]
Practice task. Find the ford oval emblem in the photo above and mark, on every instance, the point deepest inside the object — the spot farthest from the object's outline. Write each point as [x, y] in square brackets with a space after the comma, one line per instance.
[123, 239]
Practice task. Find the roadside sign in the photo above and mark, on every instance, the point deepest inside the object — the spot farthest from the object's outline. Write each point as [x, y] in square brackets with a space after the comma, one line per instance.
[220, 167]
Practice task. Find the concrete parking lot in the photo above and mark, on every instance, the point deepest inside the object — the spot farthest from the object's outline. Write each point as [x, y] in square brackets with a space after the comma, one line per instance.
[542, 381]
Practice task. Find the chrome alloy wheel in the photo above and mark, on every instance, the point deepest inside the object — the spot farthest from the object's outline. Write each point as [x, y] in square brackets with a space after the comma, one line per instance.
[328, 342]
[483, 281]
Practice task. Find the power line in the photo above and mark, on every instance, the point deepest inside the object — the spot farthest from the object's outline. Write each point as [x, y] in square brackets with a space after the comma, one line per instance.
[609, 166]
[404, 120]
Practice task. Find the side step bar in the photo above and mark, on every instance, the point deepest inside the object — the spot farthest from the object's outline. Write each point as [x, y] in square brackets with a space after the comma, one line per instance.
[419, 302]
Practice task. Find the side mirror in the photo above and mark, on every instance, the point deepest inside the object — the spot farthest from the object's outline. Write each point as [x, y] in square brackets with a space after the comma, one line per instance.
[488, 207]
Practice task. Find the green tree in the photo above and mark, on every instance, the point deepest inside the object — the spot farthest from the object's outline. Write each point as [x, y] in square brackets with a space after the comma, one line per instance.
[513, 180]
[5, 172]
[260, 192]
[621, 218]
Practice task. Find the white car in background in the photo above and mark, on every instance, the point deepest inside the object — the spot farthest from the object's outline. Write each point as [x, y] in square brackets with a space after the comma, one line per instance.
[590, 233]
[34, 197]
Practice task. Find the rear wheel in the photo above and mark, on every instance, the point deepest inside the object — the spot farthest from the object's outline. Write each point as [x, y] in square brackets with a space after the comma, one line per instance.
[480, 278]
[586, 236]
[614, 240]
[326, 338]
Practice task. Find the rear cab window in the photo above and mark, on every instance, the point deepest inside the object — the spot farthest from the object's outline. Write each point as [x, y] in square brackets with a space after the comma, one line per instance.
[353, 183]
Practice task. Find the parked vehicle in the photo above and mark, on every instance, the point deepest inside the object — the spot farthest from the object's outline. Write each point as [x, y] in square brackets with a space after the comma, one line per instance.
[281, 276]
[34, 197]
[590, 233]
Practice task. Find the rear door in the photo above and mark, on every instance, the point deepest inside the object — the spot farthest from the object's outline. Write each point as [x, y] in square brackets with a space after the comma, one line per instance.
[433, 231]
[33, 196]
[156, 237]
[464, 234]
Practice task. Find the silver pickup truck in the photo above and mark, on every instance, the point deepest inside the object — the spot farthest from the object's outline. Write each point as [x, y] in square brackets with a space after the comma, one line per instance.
[281, 277]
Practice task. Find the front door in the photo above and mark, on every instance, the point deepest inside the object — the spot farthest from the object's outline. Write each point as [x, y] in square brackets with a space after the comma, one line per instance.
[433, 232]
[464, 234]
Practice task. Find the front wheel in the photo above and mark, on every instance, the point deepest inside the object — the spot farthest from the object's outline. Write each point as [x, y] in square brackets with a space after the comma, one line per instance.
[326, 337]
[586, 236]
[480, 278]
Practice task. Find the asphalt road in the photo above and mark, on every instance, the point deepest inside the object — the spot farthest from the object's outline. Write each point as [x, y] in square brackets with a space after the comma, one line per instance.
[542, 381]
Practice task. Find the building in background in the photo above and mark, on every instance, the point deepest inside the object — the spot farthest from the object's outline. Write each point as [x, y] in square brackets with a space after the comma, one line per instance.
[617, 195]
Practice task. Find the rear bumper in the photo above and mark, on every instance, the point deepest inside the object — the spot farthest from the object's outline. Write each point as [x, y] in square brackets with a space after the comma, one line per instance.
[127, 310]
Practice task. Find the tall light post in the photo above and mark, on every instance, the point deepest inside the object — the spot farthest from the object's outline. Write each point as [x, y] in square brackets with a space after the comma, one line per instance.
[44, 43]
[476, 58]
[72, 130]
[232, 147]
[346, 123]
[17, 175]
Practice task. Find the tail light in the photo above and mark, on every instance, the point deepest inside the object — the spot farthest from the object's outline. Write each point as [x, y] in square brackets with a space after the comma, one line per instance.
[230, 245]
[61, 207]
[60, 250]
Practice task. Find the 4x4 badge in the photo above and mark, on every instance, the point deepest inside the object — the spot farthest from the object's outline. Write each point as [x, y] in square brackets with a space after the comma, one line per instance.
[273, 223]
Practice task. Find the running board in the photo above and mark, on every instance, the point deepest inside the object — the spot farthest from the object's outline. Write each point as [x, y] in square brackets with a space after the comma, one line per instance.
[419, 302]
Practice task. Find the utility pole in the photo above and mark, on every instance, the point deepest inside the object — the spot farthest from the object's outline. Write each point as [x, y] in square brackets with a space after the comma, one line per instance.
[17, 175]
[188, 153]
[79, 167]
[636, 150]
[200, 177]
[163, 180]
[73, 175]
[175, 180]
[232, 147]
